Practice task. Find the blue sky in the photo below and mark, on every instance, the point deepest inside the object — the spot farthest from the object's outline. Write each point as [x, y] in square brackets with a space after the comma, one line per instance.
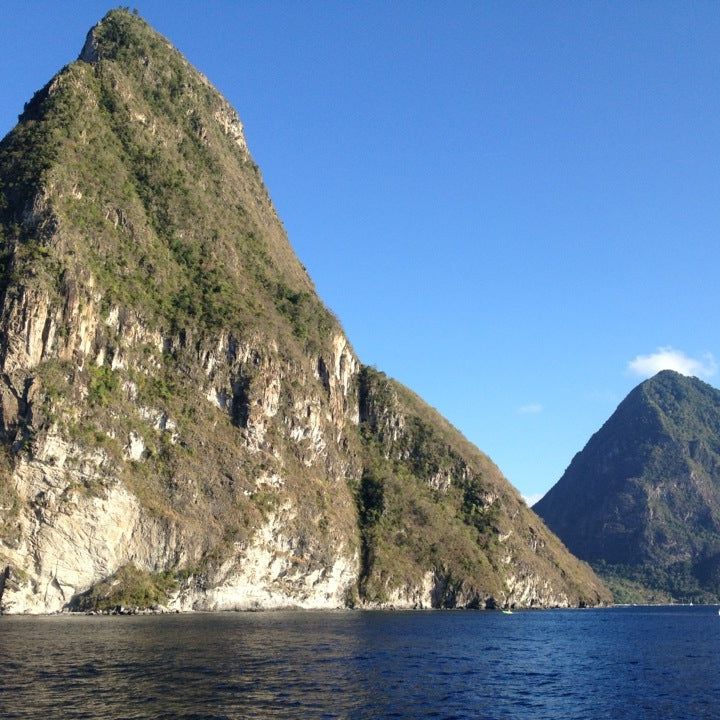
[511, 207]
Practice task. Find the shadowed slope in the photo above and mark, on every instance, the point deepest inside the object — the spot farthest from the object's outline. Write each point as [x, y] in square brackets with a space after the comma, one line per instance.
[644, 494]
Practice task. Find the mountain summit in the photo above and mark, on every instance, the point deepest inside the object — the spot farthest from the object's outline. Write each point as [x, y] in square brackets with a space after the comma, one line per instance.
[183, 422]
[642, 500]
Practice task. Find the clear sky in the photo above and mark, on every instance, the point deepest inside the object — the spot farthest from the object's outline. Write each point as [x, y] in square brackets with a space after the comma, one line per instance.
[512, 207]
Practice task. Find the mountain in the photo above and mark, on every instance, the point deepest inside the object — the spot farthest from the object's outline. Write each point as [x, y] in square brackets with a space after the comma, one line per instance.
[182, 421]
[641, 502]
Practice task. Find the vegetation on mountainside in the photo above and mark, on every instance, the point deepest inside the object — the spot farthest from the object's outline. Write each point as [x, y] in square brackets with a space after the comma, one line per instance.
[412, 529]
[121, 158]
[128, 587]
[123, 186]
[194, 469]
[430, 499]
[9, 501]
[185, 355]
[412, 515]
[641, 502]
[646, 585]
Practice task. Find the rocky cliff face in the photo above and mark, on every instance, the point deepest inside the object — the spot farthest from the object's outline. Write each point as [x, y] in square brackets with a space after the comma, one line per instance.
[437, 514]
[182, 421]
[642, 499]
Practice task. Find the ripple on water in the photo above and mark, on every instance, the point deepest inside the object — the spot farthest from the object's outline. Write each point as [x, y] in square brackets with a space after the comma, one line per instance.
[630, 663]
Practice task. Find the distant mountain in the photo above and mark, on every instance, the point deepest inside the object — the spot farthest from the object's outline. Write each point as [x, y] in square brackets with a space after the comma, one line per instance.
[182, 421]
[641, 502]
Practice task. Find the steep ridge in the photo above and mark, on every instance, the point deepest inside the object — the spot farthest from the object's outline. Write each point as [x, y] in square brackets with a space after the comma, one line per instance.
[182, 421]
[641, 502]
[449, 517]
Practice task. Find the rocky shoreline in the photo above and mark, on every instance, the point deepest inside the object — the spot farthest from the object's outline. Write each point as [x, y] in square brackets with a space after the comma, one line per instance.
[122, 610]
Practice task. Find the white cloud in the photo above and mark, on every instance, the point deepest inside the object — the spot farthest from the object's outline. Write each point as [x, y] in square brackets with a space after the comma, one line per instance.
[530, 409]
[530, 500]
[667, 358]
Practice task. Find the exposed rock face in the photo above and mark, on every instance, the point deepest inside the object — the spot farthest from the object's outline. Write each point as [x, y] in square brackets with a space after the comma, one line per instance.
[266, 574]
[642, 499]
[430, 499]
[178, 410]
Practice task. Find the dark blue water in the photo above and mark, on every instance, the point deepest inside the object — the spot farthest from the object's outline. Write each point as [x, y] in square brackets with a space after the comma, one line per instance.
[618, 663]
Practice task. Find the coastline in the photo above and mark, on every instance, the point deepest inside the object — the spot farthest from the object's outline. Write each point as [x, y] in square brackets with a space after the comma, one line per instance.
[149, 612]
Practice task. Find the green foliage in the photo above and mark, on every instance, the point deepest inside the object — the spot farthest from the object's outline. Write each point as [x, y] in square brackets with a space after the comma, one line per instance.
[157, 388]
[307, 317]
[371, 500]
[478, 512]
[128, 587]
[407, 526]
[152, 195]
[444, 508]
[102, 386]
[265, 500]
[641, 500]
[9, 500]
[407, 530]
[675, 582]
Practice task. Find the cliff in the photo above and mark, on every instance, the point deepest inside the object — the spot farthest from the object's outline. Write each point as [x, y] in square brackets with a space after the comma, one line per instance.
[182, 421]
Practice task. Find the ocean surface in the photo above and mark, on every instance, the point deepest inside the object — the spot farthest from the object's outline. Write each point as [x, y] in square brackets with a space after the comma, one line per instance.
[653, 663]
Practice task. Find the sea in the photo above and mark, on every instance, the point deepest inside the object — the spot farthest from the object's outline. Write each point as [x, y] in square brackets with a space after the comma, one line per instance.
[634, 662]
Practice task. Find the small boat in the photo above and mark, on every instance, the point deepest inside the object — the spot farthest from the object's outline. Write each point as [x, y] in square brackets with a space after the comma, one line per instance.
[510, 612]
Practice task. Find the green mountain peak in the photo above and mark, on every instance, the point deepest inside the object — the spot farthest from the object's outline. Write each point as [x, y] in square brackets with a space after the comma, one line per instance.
[642, 499]
[181, 417]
